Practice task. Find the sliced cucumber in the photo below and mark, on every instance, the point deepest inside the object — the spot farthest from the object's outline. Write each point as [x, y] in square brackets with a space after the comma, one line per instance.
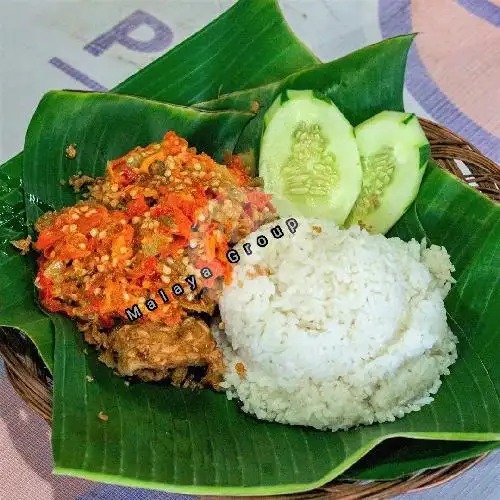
[309, 159]
[394, 153]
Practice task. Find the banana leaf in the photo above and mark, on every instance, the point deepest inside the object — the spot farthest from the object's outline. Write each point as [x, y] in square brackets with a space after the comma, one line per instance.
[249, 45]
[104, 127]
[198, 69]
[398, 458]
[361, 84]
[473, 307]
[213, 448]
[201, 443]
[18, 302]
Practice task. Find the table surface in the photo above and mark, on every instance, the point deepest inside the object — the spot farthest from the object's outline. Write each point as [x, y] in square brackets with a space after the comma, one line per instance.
[452, 77]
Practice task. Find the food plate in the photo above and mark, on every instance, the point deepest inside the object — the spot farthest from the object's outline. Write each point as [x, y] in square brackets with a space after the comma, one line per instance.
[199, 442]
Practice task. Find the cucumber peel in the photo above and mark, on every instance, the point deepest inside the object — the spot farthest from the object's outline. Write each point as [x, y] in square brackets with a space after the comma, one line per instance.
[309, 159]
[394, 153]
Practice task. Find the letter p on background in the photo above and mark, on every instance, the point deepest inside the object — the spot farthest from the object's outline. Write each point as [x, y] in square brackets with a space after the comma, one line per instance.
[121, 34]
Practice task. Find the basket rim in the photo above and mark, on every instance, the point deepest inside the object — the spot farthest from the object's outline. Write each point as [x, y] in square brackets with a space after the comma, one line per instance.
[32, 381]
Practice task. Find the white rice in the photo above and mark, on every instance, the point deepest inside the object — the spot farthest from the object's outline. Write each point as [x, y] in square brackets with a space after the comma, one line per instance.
[348, 328]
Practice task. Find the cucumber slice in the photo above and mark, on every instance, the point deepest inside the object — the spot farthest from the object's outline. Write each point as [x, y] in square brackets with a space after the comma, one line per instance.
[394, 153]
[309, 159]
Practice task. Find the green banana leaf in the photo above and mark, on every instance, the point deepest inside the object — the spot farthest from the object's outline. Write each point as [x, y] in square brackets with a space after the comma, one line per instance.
[360, 84]
[201, 443]
[468, 225]
[198, 69]
[251, 44]
[177, 445]
[18, 302]
[398, 458]
[105, 127]
[213, 448]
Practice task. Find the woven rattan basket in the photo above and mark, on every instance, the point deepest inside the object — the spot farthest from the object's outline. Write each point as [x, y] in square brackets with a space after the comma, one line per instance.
[33, 383]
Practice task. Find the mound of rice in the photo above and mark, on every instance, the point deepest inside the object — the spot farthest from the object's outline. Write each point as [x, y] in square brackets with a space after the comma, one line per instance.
[333, 328]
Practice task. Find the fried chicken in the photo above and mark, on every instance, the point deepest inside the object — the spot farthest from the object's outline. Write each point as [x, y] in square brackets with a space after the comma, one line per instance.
[152, 351]
[150, 228]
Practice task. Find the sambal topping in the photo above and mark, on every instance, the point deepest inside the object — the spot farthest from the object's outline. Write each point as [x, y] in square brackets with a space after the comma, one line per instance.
[159, 217]
[240, 369]
[78, 182]
[258, 271]
[102, 416]
[255, 106]
[22, 245]
[71, 152]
